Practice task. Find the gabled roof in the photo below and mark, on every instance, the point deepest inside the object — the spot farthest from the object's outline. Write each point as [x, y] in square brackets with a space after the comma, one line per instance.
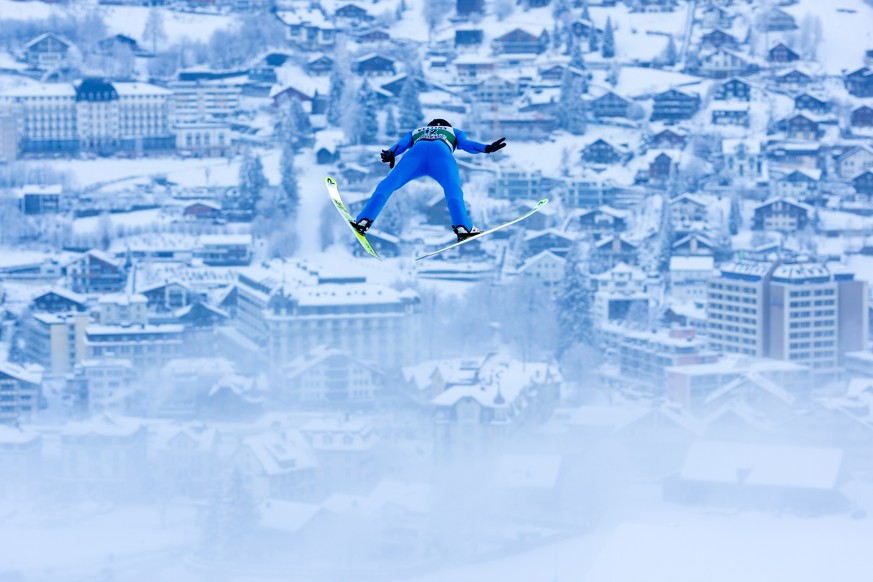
[46, 35]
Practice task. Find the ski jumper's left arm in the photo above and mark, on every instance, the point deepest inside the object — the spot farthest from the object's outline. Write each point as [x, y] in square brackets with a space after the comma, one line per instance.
[401, 146]
[468, 145]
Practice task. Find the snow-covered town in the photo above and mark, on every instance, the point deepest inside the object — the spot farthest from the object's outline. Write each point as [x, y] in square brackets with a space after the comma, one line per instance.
[663, 374]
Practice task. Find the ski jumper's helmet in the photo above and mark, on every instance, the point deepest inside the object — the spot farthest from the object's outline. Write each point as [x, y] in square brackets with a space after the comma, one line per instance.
[439, 122]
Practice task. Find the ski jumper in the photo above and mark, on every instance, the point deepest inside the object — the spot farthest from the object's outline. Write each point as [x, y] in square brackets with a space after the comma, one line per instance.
[431, 153]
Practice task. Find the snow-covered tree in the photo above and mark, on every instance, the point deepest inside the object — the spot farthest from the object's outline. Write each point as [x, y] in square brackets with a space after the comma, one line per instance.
[289, 201]
[586, 14]
[154, 31]
[231, 515]
[435, 11]
[666, 234]
[670, 56]
[608, 50]
[391, 130]
[251, 179]
[410, 114]
[735, 219]
[362, 120]
[573, 302]
[571, 108]
[335, 95]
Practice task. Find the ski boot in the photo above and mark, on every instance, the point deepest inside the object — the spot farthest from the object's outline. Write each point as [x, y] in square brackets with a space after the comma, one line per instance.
[463, 233]
[362, 225]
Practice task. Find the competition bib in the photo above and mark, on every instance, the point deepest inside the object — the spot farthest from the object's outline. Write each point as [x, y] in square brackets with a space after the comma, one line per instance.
[436, 133]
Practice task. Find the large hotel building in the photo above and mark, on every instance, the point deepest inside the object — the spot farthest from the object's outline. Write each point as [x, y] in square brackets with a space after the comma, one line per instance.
[805, 312]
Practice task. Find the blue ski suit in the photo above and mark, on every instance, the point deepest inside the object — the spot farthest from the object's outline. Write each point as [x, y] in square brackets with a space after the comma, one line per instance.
[430, 154]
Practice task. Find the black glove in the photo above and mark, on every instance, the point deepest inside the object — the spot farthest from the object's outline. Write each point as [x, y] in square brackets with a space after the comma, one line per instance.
[388, 158]
[494, 146]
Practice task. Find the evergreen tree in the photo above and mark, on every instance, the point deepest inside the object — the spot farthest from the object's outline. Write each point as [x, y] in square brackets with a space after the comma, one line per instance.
[410, 114]
[586, 14]
[608, 50]
[735, 219]
[154, 28]
[666, 236]
[251, 180]
[593, 41]
[290, 200]
[365, 124]
[335, 96]
[391, 124]
[300, 119]
[231, 516]
[671, 54]
[571, 108]
[573, 303]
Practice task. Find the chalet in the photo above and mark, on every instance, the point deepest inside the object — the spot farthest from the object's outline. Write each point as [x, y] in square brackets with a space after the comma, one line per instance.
[353, 14]
[781, 54]
[168, 296]
[863, 183]
[734, 89]
[320, 66]
[793, 80]
[284, 95]
[46, 51]
[856, 160]
[202, 210]
[546, 267]
[694, 244]
[58, 300]
[797, 184]
[688, 209]
[731, 114]
[800, 126]
[804, 154]
[811, 103]
[308, 29]
[776, 20]
[611, 251]
[860, 82]
[668, 139]
[674, 105]
[107, 442]
[466, 8]
[224, 249]
[862, 116]
[722, 63]
[743, 158]
[548, 240]
[375, 36]
[553, 74]
[496, 89]
[469, 37]
[602, 220]
[374, 65]
[718, 39]
[468, 68]
[40, 199]
[584, 28]
[95, 272]
[118, 43]
[715, 16]
[541, 220]
[520, 42]
[602, 152]
[661, 165]
[782, 215]
[609, 105]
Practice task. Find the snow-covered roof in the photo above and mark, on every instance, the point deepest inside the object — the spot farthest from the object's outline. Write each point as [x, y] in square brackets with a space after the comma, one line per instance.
[763, 465]
[105, 425]
[139, 89]
[42, 90]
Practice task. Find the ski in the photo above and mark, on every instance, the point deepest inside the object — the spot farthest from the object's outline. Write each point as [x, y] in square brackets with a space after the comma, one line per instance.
[527, 214]
[333, 191]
